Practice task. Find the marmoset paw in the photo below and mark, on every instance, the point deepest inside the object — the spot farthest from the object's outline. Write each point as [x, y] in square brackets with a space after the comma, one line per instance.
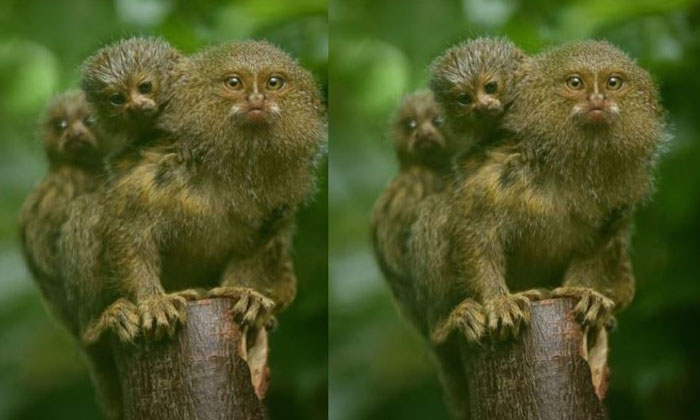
[161, 314]
[506, 315]
[468, 318]
[120, 318]
[592, 309]
[251, 308]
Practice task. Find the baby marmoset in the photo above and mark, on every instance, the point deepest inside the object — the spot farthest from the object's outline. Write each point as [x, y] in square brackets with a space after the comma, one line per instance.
[244, 128]
[425, 151]
[128, 83]
[474, 82]
[75, 156]
[75, 152]
[557, 203]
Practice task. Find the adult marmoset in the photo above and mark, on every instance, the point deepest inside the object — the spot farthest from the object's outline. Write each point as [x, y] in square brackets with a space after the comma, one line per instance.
[555, 206]
[244, 132]
[128, 83]
[425, 151]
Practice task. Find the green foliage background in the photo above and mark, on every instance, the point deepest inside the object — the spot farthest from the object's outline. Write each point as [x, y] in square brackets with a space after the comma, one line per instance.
[379, 51]
[42, 42]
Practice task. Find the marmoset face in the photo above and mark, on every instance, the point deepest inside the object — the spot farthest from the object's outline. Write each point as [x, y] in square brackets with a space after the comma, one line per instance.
[127, 81]
[473, 80]
[68, 129]
[418, 127]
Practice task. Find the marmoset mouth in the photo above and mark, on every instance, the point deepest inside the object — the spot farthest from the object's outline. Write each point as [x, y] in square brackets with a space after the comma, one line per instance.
[427, 144]
[256, 115]
[597, 114]
[77, 143]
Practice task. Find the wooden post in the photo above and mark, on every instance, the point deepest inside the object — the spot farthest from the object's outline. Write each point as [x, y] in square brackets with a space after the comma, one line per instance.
[543, 375]
[198, 375]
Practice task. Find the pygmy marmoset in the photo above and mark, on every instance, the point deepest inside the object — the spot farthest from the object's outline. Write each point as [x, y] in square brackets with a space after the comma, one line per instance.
[242, 135]
[557, 202]
[75, 155]
[128, 83]
[424, 150]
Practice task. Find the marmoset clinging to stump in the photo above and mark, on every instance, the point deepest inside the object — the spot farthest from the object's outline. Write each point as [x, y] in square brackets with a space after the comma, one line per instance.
[244, 130]
[425, 151]
[475, 83]
[556, 204]
[75, 154]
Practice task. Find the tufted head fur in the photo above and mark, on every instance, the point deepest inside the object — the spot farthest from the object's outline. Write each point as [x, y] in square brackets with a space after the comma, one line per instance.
[248, 111]
[128, 83]
[474, 81]
[591, 113]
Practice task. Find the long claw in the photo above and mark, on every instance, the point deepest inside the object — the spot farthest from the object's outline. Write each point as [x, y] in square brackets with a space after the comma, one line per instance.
[592, 309]
[120, 318]
[251, 307]
[161, 314]
[507, 315]
[467, 318]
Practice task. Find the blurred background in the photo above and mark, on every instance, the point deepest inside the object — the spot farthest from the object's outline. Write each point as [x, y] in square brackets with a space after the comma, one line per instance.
[42, 42]
[379, 51]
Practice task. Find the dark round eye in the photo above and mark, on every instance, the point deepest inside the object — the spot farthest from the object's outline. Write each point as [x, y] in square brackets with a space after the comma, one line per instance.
[117, 99]
[574, 82]
[491, 87]
[614, 83]
[60, 125]
[438, 120]
[410, 124]
[145, 87]
[90, 120]
[464, 99]
[233, 83]
[275, 83]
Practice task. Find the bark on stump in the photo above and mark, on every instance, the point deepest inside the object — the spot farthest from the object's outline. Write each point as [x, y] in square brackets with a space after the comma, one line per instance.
[198, 375]
[540, 376]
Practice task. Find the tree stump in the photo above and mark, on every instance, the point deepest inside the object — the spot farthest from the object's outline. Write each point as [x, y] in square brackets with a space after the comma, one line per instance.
[543, 375]
[198, 375]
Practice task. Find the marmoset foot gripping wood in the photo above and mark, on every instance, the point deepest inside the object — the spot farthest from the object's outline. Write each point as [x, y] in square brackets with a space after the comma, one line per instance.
[198, 375]
[542, 375]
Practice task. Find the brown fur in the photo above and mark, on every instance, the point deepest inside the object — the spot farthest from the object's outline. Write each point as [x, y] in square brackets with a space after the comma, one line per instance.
[424, 150]
[474, 83]
[128, 82]
[549, 204]
[220, 188]
[75, 154]
[541, 210]
[75, 167]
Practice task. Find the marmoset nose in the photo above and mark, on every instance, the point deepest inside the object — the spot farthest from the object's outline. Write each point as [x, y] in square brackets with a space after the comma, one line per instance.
[256, 99]
[77, 132]
[596, 98]
[488, 105]
[426, 132]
